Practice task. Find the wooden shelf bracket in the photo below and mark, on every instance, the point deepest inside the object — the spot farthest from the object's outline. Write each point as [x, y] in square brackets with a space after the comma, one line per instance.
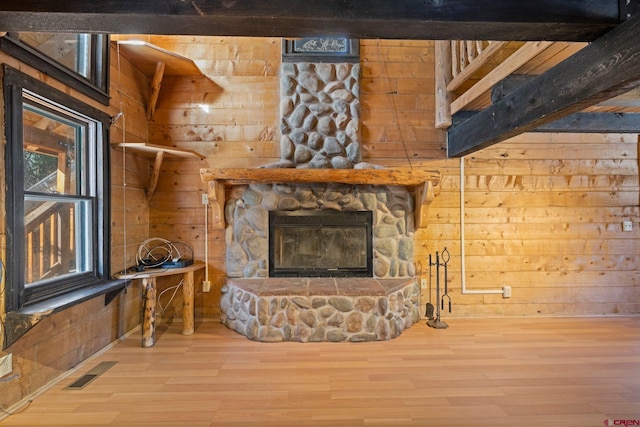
[217, 200]
[424, 196]
[155, 90]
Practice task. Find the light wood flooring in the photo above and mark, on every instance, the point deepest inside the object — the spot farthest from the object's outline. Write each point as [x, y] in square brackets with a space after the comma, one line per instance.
[490, 372]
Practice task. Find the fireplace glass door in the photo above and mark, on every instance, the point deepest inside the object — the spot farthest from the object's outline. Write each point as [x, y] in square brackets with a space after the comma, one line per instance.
[320, 244]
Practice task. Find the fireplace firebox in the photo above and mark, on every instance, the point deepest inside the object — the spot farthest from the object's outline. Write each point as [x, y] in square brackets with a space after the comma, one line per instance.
[320, 244]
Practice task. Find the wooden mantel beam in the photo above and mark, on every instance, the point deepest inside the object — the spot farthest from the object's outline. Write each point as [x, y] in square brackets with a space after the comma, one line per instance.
[402, 176]
[602, 70]
[568, 20]
[421, 182]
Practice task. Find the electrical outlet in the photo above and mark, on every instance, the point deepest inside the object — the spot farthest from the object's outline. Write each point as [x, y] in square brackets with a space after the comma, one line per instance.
[627, 226]
[206, 286]
[6, 365]
[423, 283]
[506, 292]
[205, 199]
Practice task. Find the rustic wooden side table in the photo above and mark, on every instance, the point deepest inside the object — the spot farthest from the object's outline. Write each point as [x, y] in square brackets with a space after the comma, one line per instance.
[148, 278]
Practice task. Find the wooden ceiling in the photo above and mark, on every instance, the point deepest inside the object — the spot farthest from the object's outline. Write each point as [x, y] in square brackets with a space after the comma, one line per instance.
[608, 67]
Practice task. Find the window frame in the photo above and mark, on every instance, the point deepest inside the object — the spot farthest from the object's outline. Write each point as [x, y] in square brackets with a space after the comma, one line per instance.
[96, 87]
[17, 295]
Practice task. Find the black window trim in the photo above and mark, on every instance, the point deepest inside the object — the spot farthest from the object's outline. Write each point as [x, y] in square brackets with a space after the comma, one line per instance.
[22, 51]
[14, 82]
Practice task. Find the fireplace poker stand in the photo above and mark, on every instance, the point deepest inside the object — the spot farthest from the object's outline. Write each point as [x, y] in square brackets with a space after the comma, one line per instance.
[436, 322]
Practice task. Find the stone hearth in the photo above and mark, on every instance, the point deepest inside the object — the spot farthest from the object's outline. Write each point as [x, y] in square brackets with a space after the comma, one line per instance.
[319, 309]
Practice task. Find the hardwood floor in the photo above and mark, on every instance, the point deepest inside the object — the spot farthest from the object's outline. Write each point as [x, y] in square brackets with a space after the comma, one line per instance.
[479, 372]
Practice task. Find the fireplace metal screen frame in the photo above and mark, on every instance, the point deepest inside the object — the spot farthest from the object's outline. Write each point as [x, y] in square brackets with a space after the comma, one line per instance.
[322, 218]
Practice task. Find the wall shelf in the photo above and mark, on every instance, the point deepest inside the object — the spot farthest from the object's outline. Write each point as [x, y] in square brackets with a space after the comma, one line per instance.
[158, 152]
[156, 62]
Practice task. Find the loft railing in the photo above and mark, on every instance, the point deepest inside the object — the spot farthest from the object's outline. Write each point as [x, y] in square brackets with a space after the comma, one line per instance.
[457, 62]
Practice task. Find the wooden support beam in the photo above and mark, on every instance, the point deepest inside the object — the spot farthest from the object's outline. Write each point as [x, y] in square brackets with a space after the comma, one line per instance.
[509, 84]
[62, 176]
[154, 90]
[45, 141]
[442, 78]
[591, 122]
[387, 19]
[594, 123]
[605, 68]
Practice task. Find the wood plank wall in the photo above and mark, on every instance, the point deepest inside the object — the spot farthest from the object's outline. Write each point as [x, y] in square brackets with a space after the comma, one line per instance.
[61, 341]
[397, 98]
[130, 172]
[543, 212]
[231, 117]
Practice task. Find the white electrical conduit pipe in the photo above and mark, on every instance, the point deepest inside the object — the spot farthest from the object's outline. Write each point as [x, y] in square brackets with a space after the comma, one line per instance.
[462, 244]
[206, 239]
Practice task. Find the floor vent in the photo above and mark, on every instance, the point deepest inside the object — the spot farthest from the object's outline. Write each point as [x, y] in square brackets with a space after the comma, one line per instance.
[94, 373]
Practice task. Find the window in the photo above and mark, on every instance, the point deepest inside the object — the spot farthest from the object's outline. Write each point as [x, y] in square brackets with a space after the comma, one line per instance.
[78, 60]
[57, 175]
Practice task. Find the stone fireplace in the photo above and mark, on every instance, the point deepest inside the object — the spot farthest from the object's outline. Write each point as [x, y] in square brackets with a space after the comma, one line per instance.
[305, 309]
[336, 307]
[342, 282]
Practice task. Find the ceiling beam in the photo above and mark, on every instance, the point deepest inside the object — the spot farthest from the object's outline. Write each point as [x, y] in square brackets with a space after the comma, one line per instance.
[561, 20]
[592, 122]
[605, 68]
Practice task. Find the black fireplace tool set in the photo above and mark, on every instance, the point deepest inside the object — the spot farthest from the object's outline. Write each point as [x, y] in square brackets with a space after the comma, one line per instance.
[441, 260]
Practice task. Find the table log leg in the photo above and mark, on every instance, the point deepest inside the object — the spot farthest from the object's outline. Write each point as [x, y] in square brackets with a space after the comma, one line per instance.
[187, 308]
[149, 314]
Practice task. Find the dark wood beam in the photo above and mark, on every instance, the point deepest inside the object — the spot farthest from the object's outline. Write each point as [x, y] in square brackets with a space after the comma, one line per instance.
[592, 122]
[606, 68]
[509, 84]
[570, 20]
